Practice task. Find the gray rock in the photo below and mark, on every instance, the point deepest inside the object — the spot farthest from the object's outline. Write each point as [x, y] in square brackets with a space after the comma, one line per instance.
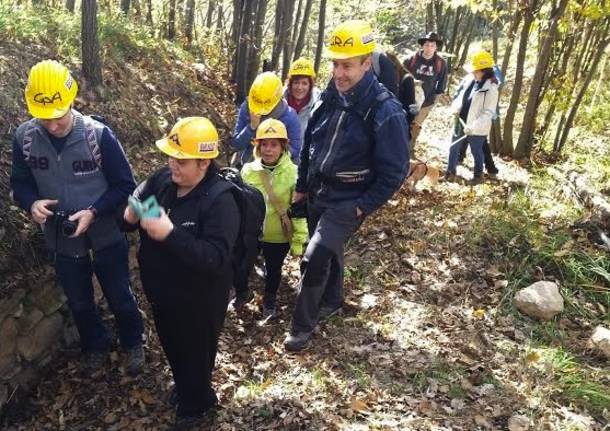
[8, 344]
[3, 395]
[518, 423]
[541, 300]
[48, 299]
[31, 316]
[44, 335]
[10, 305]
[600, 341]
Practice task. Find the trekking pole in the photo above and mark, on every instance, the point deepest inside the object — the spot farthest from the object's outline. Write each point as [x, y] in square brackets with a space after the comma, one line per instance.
[458, 140]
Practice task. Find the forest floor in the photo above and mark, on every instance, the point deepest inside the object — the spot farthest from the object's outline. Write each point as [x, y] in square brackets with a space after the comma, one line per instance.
[428, 340]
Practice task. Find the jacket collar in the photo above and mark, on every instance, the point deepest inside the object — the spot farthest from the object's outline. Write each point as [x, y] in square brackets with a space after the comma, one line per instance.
[257, 164]
[357, 93]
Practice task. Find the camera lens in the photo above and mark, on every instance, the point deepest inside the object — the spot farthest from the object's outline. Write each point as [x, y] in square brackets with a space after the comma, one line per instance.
[68, 227]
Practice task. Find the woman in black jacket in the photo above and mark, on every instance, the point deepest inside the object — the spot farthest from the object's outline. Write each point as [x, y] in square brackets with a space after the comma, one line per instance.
[185, 260]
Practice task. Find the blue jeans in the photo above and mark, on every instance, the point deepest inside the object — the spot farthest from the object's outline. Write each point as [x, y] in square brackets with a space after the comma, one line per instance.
[112, 270]
[476, 148]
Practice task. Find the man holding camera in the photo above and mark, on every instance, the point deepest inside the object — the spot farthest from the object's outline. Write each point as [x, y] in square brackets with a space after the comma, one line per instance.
[70, 172]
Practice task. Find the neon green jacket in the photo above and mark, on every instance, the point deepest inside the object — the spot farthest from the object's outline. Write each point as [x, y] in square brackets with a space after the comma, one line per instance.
[283, 179]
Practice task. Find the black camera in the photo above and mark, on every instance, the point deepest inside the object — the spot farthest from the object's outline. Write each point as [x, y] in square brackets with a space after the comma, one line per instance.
[298, 209]
[67, 226]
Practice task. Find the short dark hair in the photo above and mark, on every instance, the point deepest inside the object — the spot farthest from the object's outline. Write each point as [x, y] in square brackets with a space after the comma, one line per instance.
[489, 73]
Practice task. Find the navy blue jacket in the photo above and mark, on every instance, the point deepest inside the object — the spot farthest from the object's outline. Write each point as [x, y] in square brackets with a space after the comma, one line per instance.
[243, 134]
[343, 158]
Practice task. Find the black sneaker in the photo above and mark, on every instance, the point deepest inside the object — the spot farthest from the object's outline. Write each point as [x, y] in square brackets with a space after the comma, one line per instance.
[327, 312]
[135, 361]
[476, 181]
[241, 299]
[297, 342]
[93, 362]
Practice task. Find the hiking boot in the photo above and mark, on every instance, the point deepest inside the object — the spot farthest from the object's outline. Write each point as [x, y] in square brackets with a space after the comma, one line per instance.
[269, 312]
[241, 299]
[297, 341]
[93, 362]
[327, 312]
[135, 361]
[451, 178]
[476, 181]
[196, 422]
[492, 175]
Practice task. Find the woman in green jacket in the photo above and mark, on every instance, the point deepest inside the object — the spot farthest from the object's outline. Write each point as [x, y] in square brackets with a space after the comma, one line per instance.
[275, 175]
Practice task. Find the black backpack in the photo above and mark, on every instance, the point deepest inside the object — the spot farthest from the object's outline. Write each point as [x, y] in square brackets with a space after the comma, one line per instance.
[251, 204]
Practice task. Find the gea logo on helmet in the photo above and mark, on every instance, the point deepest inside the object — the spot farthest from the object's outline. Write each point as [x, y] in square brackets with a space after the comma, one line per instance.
[337, 41]
[43, 99]
[300, 66]
[206, 147]
[270, 129]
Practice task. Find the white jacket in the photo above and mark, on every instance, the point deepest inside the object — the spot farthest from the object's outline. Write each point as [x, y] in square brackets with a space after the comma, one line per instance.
[482, 107]
[305, 113]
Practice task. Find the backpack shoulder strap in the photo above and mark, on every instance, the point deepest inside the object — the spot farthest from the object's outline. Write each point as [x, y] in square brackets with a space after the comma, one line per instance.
[92, 142]
[28, 137]
[413, 60]
[216, 190]
[377, 63]
[438, 64]
[369, 116]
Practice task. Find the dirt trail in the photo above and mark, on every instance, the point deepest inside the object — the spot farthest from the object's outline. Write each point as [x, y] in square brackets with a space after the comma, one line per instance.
[424, 343]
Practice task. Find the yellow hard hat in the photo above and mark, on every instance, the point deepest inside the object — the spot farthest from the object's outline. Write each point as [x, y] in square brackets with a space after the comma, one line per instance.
[302, 67]
[50, 90]
[351, 39]
[191, 138]
[481, 60]
[269, 129]
[265, 93]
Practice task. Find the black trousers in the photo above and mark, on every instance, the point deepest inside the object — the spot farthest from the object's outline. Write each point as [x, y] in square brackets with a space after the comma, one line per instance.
[189, 328]
[275, 254]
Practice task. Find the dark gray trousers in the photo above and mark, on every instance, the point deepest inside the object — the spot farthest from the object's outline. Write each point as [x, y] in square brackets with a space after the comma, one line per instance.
[330, 227]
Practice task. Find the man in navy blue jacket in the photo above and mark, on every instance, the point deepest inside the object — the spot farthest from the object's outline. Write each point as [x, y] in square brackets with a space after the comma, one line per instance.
[354, 157]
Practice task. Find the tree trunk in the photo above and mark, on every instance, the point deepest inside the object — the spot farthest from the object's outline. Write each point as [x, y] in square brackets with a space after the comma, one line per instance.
[171, 20]
[125, 4]
[429, 17]
[279, 35]
[524, 144]
[90, 48]
[241, 76]
[257, 37]
[304, 25]
[320, 42]
[210, 14]
[288, 42]
[189, 20]
[560, 142]
[507, 142]
[238, 8]
[454, 31]
[470, 27]
[149, 15]
[70, 5]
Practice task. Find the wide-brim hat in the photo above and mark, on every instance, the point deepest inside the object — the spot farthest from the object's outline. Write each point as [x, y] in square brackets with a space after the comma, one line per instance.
[432, 36]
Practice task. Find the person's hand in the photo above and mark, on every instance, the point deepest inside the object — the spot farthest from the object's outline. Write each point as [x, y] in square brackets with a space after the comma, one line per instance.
[298, 197]
[467, 130]
[158, 228]
[413, 109]
[40, 210]
[255, 120]
[83, 218]
[130, 216]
